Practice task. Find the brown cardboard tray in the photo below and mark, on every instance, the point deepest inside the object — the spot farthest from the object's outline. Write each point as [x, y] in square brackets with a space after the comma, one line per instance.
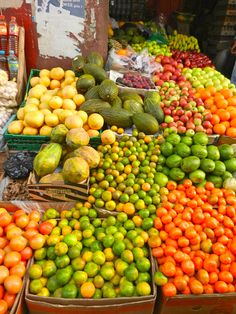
[128, 305]
[57, 192]
[226, 140]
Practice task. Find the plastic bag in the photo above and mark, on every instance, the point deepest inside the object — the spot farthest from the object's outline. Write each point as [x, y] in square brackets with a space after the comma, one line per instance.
[118, 62]
[230, 184]
[19, 166]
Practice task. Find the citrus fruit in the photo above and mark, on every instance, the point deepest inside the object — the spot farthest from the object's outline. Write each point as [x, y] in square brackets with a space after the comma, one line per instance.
[69, 291]
[107, 272]
[143, 289]
[35, 271]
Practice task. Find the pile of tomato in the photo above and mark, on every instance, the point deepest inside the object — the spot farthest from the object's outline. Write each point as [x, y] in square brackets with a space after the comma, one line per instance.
[196, 250]
[17, 233]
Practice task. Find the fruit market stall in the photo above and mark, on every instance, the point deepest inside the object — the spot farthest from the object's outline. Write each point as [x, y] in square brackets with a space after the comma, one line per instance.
[118, 182]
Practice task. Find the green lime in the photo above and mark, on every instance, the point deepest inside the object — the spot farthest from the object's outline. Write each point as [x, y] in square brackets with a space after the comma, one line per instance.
[131, 273]
[69, 291]
[143, 289]
[143, 264]
[108, 241]
[80, 277]
[57, 293]
[107, 272]
[143, 277]
[49, 269]
[98, 281]
[35, 286]
[63, 276]
[97, 294]
[40, 254]
[127, 289]
[70, 239]
[127, 256]
[121, 266]
[74, 251]
[91, 269]
[147, 223]
[35, 271]
[60, 249]
[51, 252]
[52, 284]
[62, 261]
[99, 258]
[160, 279]
[118, 247]
[78, 263]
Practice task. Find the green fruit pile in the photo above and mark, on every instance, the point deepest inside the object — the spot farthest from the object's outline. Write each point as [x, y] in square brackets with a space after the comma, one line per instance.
[191, 157]
[153, 48]
[126, 177]
[201, 78]
[183, 42]
[87, 257]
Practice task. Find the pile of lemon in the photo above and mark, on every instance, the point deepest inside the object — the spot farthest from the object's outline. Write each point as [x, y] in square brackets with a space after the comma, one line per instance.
[51, 99]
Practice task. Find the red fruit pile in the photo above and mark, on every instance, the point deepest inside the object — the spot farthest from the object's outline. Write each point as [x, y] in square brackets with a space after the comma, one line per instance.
[171, 71]
[16, 232]
[183, 111]
[136, 81]
[198, 234]
[192, 59]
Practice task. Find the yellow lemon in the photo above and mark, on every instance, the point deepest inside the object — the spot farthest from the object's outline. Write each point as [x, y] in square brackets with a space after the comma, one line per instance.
[28, 130]
[57, 73]
[44, 72]
[34, 81]
[45, 111]
[32, 101]
[45, 81]
[55, 84]
[69, 91]
[68, 104]
[55, 102]
[51, 120]
[64, 114]
[79, 99]
[44, 105]
[45, 98]
[45, 130]
[20, 114]
[83, 115]
[69, 73]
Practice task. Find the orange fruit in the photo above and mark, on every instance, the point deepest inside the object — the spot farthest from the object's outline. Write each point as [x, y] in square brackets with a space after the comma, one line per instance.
[87, 290]
[231, 132]
[227, 93]
[219, 129]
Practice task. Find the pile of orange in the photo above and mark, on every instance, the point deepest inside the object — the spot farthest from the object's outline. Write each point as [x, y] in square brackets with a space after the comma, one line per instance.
[196, 253]
[222, 105]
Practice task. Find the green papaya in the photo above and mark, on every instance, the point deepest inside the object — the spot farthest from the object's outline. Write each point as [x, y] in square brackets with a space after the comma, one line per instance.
[48, 159]
[58, 134]
[97, 72]
[95, 58]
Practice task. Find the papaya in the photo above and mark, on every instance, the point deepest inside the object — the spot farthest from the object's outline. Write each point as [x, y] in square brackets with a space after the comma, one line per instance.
[116, 103]
[58, 134]
[108, 90]
[132, 106]
[48, 159]
[128, 96]
[77, 137]
[84, 83]
[152, 107]
[120, 117]
[95, 58]
[145, 123]
[78, 63]
[89, 154]
[52, 178]
[92, 93]
[94, 106]
[97, 72]
[155, 96]
[75, 170]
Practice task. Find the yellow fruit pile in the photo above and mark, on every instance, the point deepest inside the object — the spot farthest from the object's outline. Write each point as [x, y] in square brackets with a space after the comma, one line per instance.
[53, 99]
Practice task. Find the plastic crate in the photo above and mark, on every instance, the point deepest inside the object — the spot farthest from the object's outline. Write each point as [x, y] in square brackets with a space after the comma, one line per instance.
[24, 142]
[33, 72]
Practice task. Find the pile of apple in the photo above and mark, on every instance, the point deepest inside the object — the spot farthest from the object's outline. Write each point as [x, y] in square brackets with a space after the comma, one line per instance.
[183, 111]
[202, 78]
[192, 59]
[172, 70]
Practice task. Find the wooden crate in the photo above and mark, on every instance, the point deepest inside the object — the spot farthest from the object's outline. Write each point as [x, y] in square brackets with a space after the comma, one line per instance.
[22, 76]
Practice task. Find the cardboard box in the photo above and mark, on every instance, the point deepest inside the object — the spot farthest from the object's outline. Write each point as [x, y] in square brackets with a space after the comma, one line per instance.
[197, 304]
[226, 140]
[127, 305]
[57, 192]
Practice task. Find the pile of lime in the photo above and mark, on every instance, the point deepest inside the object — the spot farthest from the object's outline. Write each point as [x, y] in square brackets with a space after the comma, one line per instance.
[153, 48]
[191, 157]
[88, 257]
[125, 180]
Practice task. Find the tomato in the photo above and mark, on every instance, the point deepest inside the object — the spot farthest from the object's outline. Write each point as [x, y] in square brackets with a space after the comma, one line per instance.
[1, 292]
[180, 283]
[29, 233]
[196, 287]
[2, 254]
[32, 225]
[26, 253]
[11, 259]
[4, 273]
[169, 290]
[35, 215]
[5, 219]
[203, 276]
[188, 267]
[45, 228]
[13, 232]
[3, 307]
[221, 287]
[22, 221]
[1, 231]
[18, 270]
[168, 269]
[37, 241]
[18, 243]
[13, 284]
[18, 213]
[10, 299]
